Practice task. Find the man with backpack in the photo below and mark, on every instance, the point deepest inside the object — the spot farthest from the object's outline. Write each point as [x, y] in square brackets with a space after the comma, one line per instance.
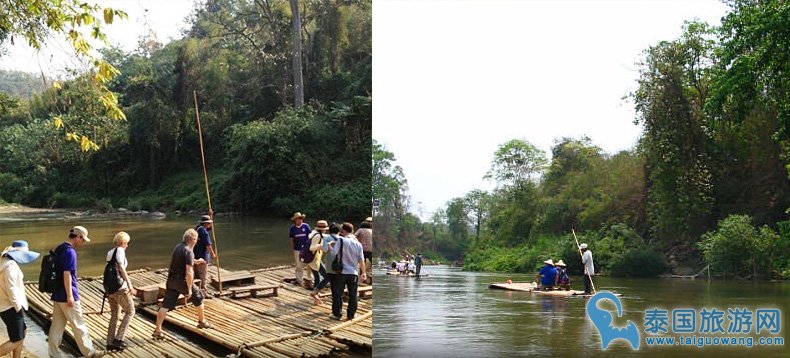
[66, 307]
[349, 252]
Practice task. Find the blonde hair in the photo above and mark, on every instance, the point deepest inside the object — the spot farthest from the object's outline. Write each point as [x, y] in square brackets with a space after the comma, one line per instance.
[120, 238]
[190, 234]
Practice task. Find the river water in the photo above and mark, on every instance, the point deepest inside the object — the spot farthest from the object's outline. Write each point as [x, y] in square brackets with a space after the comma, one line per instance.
[452, 313]
[244, 243]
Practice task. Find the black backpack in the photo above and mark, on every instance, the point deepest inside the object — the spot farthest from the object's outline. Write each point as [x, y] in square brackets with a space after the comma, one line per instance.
[112, 279]
[48, 278]
[337, 264]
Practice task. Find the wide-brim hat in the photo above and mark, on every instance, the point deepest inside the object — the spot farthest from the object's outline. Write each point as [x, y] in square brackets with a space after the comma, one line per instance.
[205, 219]
[297, 215]
[560, 263]
[80, 231]
[20, 252]
[549, 261]
[321, 225]
[583, 246]
[369, 219]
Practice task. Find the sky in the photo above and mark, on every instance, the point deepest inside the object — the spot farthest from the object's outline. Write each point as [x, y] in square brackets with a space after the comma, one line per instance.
[166, 18]
[453, 80]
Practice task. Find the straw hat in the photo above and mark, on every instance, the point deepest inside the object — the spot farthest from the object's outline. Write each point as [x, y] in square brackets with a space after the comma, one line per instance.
[583, 246]
[298, 215]
[560, 263]
[369, 219]
[205, 219]
[20, 252]
[321, 225]
[549, 262]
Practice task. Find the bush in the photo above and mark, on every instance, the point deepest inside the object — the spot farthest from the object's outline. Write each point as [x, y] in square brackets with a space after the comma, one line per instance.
[737, 248]
[103, 205]
[638, 263]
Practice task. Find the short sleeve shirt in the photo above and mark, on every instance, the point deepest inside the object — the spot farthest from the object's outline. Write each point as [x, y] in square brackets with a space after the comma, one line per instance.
[177, 274]
[298, 236]
[352, 254]
[120, 258]
[549, 275]
[67, 261]
[201, 247]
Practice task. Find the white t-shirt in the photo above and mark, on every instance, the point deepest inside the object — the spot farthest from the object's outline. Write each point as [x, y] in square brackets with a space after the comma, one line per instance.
[120, 257]
[587, 260]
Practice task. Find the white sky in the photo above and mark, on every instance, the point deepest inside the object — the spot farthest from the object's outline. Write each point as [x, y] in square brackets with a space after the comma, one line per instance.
[452, 80]
[164, 17]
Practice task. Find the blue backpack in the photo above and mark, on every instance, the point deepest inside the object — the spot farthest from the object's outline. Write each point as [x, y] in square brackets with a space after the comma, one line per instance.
[305, 255]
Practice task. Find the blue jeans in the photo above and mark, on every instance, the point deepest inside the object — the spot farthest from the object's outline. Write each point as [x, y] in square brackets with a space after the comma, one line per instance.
[319, 285]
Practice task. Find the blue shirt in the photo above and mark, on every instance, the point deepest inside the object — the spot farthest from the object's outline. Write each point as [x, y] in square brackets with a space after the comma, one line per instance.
[329, 255]
[298, 236]
[549, 275]
[67, 261]
[352, 255]
[204, 240]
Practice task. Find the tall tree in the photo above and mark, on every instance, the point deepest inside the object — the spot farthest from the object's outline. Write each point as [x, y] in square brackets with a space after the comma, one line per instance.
[296, 28]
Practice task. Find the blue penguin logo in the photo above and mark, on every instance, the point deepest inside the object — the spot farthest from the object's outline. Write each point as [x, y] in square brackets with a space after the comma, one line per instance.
[603, 321]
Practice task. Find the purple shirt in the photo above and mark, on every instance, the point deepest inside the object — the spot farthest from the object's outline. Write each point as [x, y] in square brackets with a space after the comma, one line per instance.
[298, 236]
[67, 261]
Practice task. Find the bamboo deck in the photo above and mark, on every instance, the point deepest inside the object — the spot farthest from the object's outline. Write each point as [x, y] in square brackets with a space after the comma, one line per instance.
[287, 325]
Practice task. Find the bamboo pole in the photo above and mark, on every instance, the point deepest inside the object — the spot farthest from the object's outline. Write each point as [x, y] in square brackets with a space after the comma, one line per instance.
[582, 256]
[348, 323]
[208, 195]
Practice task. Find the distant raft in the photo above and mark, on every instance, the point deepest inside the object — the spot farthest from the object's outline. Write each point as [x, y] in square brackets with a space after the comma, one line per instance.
[532, 287]
[410, 274]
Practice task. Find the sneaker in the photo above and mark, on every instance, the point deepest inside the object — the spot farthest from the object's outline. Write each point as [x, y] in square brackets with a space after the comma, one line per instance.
[113, 348]
[120, 343]
[336, 318]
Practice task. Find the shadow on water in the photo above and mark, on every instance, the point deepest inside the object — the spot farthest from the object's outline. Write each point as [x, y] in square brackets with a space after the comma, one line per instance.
[454, 313]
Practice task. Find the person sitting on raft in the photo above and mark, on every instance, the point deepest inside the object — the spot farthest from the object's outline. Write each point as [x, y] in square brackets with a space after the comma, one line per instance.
[549, 273]
[563, 279]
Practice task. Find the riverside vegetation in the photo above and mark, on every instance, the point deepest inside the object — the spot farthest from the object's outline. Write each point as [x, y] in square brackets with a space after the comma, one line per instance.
[706, 184]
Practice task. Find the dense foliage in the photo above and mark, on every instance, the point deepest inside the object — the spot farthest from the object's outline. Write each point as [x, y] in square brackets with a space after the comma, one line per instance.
[715, 148]
[263, 155]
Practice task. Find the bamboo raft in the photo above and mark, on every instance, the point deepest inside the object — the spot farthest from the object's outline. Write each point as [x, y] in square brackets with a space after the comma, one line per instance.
[286, 325]
[532, 287]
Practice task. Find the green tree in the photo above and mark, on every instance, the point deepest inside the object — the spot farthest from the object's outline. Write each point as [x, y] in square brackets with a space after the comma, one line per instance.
[516, 162]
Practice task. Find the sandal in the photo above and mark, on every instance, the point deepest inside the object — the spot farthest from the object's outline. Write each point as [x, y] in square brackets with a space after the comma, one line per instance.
[158, 335]
[205, 324]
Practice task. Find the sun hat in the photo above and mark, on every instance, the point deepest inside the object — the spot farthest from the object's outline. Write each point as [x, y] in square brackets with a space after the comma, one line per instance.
[549, 262]
[321, 225]
[20, 252]
[560, 263]
[205, 219]
[583, 246]
[297, 215]
[80, 231]
[369, 219]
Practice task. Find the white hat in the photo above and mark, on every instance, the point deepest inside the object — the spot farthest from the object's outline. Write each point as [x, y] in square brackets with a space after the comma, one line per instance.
[583, 246]
[549, 262]
[560, 263]
[80, 231]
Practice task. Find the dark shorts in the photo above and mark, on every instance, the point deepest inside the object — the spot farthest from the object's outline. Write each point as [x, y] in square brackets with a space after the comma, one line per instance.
[15, 322]
[171, 297]
[368, 255]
